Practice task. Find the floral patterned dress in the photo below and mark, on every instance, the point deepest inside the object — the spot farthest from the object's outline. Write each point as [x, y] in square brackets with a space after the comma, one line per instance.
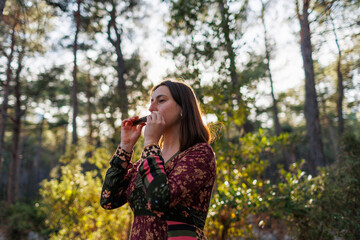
[169, 201]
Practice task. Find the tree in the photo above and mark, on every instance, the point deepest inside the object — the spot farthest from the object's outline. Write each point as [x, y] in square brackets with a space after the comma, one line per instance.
[89, 96]
[2, 6]
[20, 22]
[206, 37]
[333, 13]
[16, 43]
[77, 18]
[46, 139]
[12, 21]
[14, 168]
[119, 21]
[36, 161]
[74, 98]
[313, 128]
[113, 30]
[268, 69]
[225, 20]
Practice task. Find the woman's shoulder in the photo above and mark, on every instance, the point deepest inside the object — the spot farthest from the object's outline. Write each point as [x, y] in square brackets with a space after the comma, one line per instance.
[201, 149]
[203, 146]
[199, 156]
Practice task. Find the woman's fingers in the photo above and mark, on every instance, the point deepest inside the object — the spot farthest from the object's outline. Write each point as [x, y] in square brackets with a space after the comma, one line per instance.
[130, 133]
[129, 121]
[148, 118]
[156, 117]
[154, 127]
[140, 127]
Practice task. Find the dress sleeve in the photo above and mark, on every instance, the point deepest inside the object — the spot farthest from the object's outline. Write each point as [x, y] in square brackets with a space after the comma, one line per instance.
[117, 179]
[193, 171]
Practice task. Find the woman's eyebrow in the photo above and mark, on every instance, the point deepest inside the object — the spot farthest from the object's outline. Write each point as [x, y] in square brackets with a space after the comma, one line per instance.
[158, 96]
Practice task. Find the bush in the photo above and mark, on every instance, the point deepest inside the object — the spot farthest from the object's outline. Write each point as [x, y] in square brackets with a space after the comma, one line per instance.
[322, 207]
[71, 200]
[19, 219]
[332, 209]
[339, 206]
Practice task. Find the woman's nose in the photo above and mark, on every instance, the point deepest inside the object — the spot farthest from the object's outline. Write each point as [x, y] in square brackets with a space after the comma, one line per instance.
[152, 107]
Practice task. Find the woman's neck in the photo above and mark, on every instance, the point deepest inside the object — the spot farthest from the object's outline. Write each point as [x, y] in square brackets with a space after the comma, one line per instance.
[171, 139]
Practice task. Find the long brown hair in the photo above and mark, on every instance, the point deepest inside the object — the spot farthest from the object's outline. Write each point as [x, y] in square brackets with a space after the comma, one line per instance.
[192, 128]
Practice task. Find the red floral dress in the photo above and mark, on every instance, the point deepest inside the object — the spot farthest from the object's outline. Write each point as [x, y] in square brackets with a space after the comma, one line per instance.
[169, 201]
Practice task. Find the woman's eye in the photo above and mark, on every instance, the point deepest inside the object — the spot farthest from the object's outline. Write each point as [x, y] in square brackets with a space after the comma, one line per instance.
[161, 100]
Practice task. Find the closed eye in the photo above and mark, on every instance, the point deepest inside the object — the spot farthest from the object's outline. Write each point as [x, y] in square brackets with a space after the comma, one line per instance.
[159, 99]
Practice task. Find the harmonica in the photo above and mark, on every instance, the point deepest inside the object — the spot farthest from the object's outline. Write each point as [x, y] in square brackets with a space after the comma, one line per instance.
[139, 120]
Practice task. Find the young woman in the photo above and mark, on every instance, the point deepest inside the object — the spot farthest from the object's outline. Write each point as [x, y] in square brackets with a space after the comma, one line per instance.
[169, 188]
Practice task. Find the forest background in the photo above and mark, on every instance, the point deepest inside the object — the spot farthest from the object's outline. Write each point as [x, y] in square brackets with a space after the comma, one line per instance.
[287, 157]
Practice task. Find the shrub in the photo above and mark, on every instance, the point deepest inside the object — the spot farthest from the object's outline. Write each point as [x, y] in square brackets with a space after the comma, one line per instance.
[19, 219]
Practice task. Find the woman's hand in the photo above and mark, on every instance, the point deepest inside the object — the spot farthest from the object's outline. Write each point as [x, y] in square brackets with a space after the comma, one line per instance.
[155, 125]
[130, 134]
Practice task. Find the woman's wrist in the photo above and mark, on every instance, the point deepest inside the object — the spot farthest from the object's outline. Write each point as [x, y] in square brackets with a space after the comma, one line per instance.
[127, 147]
[151, 144]
[148, 142]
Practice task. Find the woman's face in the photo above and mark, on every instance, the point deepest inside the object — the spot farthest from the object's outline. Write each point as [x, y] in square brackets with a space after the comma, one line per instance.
[163, 102]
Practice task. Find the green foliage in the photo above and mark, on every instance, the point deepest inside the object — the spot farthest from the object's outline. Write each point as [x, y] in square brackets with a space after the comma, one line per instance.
[243, 192]
[19, 219]
[71, 200]
[321, 207]
[336, 210]
[255, 190]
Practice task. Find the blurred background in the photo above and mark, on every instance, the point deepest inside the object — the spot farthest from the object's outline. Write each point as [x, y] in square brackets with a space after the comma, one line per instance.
[278, 81]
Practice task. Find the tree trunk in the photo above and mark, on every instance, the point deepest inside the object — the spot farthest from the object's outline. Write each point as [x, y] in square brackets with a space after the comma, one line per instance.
[6, 90]
[87, 166]
[64, 143]
[120, 64]
[340, 97]
[2, 6]
[75, 80]
[229, 48]
[23, 169]
[285, 152]
[121, 87]
[89, 110]
[313, 128]
[235, 81]
[35, 166]
[14, 170]
[267, 56]
[340, 86]
[330, 129]
[225, 229]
